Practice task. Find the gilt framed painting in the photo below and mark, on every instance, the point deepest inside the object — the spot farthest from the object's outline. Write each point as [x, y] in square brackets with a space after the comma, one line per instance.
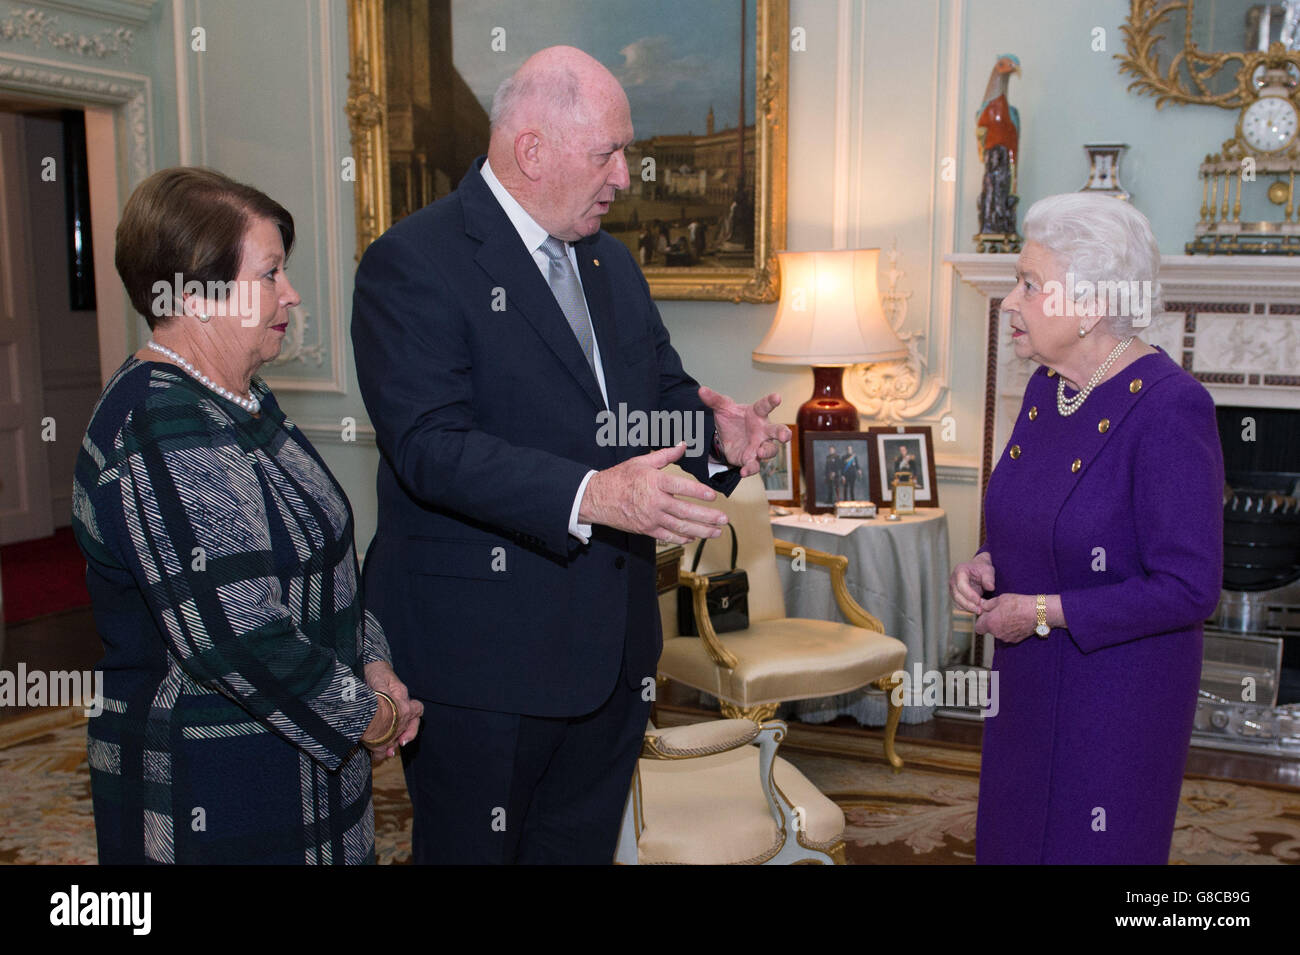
[707, 83]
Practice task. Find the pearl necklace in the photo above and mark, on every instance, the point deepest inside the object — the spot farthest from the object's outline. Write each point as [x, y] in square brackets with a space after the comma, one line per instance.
[249, 404]
[1069, 406]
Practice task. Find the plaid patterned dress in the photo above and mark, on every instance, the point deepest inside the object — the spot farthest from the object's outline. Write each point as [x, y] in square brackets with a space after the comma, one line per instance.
[224, 583]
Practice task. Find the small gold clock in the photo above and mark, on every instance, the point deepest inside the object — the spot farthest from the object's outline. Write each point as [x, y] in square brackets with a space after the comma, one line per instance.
[904, 488]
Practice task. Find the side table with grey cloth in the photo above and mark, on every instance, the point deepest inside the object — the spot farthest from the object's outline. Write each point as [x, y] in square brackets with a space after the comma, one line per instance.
[898, 571]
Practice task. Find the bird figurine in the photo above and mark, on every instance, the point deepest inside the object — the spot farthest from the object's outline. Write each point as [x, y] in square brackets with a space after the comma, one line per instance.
[997, 129]
[997, 122]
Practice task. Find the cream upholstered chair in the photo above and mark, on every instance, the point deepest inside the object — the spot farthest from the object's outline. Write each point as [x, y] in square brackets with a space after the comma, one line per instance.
[779, 658]
[717, 794]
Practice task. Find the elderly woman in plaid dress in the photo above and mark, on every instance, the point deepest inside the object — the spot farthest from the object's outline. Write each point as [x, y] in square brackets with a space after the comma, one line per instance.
[246, 689]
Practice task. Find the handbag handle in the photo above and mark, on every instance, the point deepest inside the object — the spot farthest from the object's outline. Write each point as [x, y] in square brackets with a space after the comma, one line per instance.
[699, 549]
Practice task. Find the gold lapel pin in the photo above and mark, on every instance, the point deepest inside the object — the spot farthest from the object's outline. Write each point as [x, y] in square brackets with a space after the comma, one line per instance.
[595, 261]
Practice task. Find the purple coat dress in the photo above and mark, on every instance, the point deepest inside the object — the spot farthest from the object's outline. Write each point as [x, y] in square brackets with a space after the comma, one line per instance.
[1117, 508]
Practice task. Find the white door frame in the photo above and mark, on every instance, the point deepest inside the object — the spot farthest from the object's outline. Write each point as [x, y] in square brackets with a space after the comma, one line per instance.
[120, 153]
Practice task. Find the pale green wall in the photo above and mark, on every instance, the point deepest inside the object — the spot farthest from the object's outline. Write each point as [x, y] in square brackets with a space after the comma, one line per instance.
[915, 73]
[1069, 95]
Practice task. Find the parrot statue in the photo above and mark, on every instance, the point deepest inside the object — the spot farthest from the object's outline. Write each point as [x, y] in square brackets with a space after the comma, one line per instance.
[997, 122]
[997, 128]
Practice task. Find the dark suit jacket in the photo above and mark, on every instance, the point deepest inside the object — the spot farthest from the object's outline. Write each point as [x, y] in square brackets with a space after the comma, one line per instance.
[485, 412]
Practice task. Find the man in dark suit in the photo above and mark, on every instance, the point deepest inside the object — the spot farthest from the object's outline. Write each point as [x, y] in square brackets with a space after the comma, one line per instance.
[513, 565]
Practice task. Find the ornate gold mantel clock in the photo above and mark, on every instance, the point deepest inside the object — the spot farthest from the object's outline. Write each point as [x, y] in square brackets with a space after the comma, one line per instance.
[1262, 157]
[1248, 203]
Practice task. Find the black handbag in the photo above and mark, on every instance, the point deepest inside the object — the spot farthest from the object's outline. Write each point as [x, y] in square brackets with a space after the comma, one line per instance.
[727, 598]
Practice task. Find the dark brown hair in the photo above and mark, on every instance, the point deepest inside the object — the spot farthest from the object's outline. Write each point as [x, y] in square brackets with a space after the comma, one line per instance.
[190, 221]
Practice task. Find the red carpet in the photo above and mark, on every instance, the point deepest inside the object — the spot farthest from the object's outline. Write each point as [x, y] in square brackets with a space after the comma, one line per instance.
[43, 576]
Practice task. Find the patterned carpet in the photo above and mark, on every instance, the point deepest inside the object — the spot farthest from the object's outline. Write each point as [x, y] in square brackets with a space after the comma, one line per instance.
[924, 815]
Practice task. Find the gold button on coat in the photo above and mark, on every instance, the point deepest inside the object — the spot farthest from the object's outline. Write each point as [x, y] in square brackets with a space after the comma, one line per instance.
[1078, 463]
[1033, 412]
[1103, 425]
[1051, 373]
[1135, 385]
[1015, 451]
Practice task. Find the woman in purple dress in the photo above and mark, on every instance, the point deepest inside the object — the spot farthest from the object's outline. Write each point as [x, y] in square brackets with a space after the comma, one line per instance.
[1103, 555]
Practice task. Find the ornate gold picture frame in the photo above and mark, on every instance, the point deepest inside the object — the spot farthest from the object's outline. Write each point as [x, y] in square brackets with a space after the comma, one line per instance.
[712, 258]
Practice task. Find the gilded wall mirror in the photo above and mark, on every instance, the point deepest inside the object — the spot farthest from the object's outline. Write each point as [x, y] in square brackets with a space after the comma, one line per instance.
[707, 83]
[1208, 52]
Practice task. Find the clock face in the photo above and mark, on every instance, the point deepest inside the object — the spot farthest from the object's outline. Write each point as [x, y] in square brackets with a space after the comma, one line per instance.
[1269, 124]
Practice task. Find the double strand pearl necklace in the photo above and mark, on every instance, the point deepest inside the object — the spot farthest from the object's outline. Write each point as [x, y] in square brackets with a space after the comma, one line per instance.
[1069, 406]
[249, 404]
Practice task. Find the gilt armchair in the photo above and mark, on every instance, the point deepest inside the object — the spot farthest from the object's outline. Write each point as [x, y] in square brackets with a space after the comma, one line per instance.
[779, 658]
[717, 794]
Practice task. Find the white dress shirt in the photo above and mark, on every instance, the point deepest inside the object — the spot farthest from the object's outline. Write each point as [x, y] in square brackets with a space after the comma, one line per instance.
[533, 235]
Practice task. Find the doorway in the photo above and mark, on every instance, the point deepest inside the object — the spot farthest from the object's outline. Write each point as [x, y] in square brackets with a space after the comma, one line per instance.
[50, 379]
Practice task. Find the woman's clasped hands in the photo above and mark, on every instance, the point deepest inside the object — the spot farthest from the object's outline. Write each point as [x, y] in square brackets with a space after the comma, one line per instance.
[1007, 617]
[396, 723]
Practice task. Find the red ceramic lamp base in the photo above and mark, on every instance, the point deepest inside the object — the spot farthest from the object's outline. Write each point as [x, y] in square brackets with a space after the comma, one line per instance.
[827, 409]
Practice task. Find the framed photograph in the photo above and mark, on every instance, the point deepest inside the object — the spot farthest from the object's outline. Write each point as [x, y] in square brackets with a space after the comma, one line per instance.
[908, 449]
[781, 473]
[708, 87]
[836, 466]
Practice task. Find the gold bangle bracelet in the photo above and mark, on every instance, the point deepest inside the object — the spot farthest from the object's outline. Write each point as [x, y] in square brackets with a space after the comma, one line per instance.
[392, 727]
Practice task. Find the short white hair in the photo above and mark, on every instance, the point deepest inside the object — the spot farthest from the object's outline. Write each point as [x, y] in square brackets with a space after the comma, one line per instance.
[559, 86]
[1099, 239]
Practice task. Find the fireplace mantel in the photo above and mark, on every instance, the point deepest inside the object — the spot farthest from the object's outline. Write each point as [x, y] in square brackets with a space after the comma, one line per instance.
[1218, 278]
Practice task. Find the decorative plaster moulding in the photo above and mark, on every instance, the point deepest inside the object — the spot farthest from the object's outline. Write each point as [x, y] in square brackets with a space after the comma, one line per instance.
[134, 12]
[295, 347]
[43, 30]
[894, 392]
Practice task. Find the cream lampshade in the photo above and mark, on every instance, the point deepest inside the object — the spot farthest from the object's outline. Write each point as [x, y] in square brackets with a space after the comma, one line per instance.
[829, 317]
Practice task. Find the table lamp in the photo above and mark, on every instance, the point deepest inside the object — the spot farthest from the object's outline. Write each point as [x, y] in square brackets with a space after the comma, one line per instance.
[829, 317]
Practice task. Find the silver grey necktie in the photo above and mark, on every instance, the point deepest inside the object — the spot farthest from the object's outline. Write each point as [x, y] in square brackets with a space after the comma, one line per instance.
[564, 284]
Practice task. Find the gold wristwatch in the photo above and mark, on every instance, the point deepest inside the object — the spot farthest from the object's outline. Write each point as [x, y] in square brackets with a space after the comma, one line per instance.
[1040, 606]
